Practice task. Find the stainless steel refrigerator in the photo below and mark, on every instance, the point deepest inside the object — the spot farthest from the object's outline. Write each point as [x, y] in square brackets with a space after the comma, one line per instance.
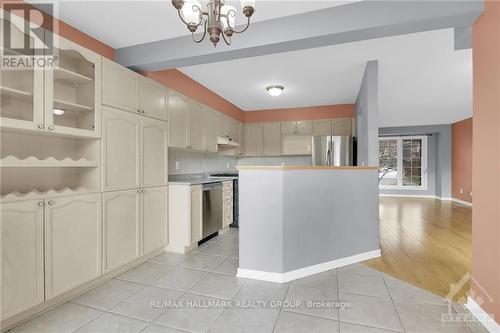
[332, 150]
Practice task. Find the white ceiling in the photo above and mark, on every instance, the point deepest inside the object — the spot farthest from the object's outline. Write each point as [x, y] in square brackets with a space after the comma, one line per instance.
[422, 80]
[125, 23]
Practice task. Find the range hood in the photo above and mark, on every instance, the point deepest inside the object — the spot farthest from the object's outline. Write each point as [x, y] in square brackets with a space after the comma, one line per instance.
[225, 142]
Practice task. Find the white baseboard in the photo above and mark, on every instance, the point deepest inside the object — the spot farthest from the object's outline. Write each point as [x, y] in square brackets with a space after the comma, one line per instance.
[484, 318]
[462, 202]
[306, 271]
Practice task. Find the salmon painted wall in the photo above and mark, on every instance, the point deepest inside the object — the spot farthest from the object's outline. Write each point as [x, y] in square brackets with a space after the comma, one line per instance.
[461, 156]
[312, 112]
[67, 31]
[486, 158]
[182, 83]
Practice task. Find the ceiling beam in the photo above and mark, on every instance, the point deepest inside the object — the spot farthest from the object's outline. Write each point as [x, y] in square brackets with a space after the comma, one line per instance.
[362, 20]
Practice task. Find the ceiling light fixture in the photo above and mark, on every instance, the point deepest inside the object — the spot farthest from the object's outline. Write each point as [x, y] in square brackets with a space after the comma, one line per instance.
[58, 112]
[275, 90]
[217, 19]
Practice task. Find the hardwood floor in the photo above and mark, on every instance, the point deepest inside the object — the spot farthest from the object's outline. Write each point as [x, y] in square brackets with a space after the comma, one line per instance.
[425, 242]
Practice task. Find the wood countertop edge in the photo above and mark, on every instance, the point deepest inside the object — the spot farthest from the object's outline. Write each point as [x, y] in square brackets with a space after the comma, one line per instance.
[307, 167]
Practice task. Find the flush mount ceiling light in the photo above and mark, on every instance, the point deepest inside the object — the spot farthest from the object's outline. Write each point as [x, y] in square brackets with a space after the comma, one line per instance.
[275, 90]
[217, 19]
[58, 112]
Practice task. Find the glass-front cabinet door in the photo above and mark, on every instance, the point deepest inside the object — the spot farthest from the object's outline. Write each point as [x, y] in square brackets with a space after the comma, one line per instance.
[73, 90]
[21, 83]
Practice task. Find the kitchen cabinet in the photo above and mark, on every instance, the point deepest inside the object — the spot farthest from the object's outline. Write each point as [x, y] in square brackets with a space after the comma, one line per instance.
[72, 242]
[22, 261]
[342, 126]
[296, 144]
[153, 99]
[296, 127]
[196, 211]
[243, 140]
[120, 86]
[196, 126]
[154, 218]
[177, 120]
[271, 139]
[227, 203]
[254, 139]
[121, 150]
[134, 151]
[121, 228]
[211, 117]
[323, 127]
[154, 152]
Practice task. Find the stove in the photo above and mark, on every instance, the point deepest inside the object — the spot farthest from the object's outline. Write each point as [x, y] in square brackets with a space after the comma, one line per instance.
[234, 177]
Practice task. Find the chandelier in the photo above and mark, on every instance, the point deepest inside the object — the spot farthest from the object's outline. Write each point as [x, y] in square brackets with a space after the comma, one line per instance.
[218, 18]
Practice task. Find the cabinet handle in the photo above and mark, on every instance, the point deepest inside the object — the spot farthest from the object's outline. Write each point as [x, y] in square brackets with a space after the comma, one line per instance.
[40, 203]
[40, 126]
[139, 191]
[51, 202]
[51, 128]
[143, 111]
[139, 110]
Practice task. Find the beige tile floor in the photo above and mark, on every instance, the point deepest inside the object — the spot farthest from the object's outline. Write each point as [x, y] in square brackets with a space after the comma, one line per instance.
[205, 296]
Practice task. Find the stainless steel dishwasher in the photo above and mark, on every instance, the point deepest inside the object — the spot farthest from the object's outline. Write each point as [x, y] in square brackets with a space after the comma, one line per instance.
[212, 208]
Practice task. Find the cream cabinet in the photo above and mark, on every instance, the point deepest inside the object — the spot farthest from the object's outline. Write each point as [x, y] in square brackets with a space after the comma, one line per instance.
[271, 139]
[211, 117]
[243, 139]
[296, 144]
[154, 218]
[342, 126]
[72, 242]
[153, 99]
[134, 151]
[177, 119]
[22, 262]
[288, 127]
[120, 86]
[323, 127]
[254, 139]
[154, 152]
[121, 231]
[196, 223]
[227, 203]
[296, 127]
[121, 150]
[196, 126]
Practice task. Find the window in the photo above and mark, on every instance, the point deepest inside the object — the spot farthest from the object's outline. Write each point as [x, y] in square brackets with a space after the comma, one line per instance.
[403, 162]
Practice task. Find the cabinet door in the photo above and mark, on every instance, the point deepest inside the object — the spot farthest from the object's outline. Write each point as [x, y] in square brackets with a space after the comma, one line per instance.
[288, 127]
[120, 86]
[177, 119]
[72, 242]
[196, 126]
[323, 127]
[342, 126]
[154, 152]
[243, 140]
[211, 129]
[120, 228]
[254, 139]
[196, 214]
[221, 124]
[73, 88]
[21, 92]
[154, 218]
[22, 256]
[153, 99]
[120, 150]
[304, 127]
[272, 139]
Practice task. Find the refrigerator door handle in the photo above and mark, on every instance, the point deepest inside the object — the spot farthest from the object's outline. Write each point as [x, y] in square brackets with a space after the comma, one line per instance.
[328, 158]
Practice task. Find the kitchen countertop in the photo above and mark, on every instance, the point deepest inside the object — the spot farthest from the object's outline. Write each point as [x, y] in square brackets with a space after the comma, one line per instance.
[309, 167]
[195, 179]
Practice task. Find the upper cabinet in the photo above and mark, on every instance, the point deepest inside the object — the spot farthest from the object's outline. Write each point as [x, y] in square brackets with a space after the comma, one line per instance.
[323, 127]
[211, 117]
[178, 119]
[342, 126]
[73, 91]
[196, 125]
[120, 86]
[254, 139]
[296, 127]
[271, 139]
[153, 97]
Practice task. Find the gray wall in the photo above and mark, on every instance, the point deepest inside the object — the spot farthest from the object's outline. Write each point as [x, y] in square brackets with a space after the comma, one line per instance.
[198, 162]
[438, 158]
[276, 160]
[297, 218]
[367, 116]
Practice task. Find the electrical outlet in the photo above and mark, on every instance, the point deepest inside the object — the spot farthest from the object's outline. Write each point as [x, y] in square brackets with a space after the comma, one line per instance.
[470, 193]
[177, 165]
[227, 164]
[461, 191]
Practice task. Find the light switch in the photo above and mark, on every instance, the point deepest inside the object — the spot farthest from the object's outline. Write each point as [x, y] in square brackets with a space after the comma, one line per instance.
[177, 165]
[461, 191]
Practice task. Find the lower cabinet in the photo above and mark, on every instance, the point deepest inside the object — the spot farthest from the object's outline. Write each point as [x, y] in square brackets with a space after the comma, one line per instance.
[22, 256]
[227, 203]
[154, 218]
[72, 242]
[121, 228]
[196, 210]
